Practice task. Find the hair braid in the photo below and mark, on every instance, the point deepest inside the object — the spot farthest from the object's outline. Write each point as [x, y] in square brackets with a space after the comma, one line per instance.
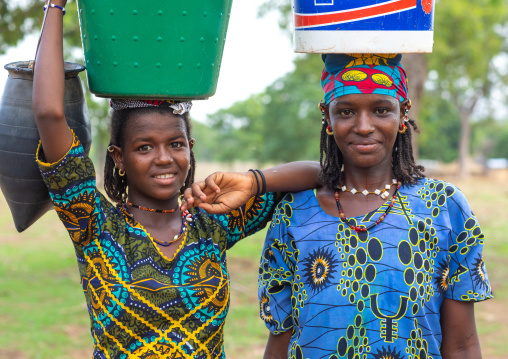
[114, 184]
[404, 167]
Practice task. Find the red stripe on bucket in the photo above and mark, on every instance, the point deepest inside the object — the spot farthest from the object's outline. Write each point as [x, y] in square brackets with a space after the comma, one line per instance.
[304, 20]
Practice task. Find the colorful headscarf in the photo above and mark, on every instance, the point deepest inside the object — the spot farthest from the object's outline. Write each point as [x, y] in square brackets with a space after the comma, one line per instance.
[346, 74]
[179, 107]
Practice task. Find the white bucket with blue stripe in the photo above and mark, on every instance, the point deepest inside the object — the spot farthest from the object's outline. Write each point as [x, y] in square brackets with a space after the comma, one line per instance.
[363, 26]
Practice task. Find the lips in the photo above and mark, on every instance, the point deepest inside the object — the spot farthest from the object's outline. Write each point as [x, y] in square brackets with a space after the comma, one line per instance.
[164, 179]
[364, 146]
[165, 176]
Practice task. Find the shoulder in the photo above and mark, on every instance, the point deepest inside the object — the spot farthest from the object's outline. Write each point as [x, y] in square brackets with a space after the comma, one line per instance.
[298, 197]
[433, 188]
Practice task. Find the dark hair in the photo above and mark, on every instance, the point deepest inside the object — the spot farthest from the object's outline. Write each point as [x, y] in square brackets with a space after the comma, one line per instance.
[116, 185]
[403, 163]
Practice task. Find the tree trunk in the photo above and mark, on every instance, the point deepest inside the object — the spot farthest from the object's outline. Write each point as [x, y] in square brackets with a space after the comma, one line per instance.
[416, 70]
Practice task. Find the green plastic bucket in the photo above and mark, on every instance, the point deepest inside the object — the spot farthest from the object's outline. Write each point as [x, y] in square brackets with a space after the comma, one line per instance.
[156, 49]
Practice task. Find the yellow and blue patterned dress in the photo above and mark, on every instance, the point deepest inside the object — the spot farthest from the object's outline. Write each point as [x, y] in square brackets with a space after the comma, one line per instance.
[375, 294]
[141, 304]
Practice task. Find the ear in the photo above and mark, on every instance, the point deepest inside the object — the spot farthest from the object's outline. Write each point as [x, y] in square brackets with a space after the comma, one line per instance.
[404, 105]
[116, 154]
[325, 109]
[191, 143]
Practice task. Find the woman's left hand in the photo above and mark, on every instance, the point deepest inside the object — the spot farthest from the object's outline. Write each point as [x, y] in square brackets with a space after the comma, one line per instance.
[221, 192]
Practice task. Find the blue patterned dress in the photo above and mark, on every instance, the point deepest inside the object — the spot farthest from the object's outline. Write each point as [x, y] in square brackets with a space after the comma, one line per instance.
[375, 294]
[142, 304]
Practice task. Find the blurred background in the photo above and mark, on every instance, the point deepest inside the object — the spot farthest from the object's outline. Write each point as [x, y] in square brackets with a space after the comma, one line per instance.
[265, 112]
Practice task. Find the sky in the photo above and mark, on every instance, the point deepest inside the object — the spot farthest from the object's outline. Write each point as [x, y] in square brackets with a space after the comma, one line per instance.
[255, 47]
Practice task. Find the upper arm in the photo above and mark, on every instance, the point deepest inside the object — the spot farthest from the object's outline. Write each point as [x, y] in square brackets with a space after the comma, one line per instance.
[277, 346]
[72, 188]
[276, 275]
[251, 217]
[458, 327]
[56, 137]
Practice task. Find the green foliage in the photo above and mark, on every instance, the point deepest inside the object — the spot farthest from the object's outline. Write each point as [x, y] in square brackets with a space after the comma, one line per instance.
[468, 37]
[20, 18]
[281, 124]
[440, 127]
[207, 138]
[490, 138]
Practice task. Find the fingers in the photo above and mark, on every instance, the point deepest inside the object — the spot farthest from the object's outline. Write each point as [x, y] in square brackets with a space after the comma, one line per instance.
[218, 208]
[210, 182]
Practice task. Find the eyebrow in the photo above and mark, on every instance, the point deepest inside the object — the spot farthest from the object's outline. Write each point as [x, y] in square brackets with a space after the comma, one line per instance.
[148, 139]
[377, 102]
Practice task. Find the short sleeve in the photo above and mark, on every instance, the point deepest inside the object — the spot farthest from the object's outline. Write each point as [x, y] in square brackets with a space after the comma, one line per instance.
[251, 217]
[276, 276]
[72, 188]
[467, 274]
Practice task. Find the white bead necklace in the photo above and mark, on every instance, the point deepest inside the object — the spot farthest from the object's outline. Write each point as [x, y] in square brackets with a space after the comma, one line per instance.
[383, 193]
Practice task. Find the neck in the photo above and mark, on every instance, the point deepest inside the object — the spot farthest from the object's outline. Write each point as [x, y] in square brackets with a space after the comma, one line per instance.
[151, 218]
[368, 178]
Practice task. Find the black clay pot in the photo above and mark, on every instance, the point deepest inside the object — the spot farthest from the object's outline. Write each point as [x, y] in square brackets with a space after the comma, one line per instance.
[20, 179]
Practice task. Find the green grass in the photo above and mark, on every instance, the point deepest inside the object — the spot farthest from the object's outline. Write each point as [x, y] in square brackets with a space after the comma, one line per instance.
[43, 312]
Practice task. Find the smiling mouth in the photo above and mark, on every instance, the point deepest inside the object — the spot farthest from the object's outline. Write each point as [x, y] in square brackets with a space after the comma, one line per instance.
[164, 176]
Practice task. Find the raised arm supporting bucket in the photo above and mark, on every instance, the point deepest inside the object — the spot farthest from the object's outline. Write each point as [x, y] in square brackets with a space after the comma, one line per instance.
[363, 26]
[157, 49]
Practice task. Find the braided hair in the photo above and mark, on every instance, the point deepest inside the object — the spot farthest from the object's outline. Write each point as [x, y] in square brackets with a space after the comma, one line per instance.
[116, 185]
[403, 163]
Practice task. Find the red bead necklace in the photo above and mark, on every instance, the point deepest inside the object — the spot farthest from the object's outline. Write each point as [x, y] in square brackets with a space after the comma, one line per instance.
[343, 218]
[150, 209]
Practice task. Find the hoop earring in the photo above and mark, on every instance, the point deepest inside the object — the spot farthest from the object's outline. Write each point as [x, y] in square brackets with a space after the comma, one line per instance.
[329, 131]
[111, 149]
[402, 128]
[121, 173]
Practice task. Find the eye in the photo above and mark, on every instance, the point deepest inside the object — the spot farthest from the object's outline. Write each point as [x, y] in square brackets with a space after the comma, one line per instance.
[144, 148]
[345, 112]
[381, 111]
[175, 145]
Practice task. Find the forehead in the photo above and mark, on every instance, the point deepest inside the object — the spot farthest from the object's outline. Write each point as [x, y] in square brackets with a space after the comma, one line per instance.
[365, 100]
[155, 122]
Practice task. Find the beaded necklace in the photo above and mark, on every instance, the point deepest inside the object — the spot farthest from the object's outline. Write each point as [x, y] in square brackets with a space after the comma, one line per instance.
[176, 237]
[357, 229]
[383, 193]
[186, 217]
[150, 209]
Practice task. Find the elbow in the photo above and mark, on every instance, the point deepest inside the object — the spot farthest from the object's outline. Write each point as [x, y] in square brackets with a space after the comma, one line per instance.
[46, 114]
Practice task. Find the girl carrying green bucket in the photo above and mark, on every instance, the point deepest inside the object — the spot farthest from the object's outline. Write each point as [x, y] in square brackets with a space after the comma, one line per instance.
[154, 275]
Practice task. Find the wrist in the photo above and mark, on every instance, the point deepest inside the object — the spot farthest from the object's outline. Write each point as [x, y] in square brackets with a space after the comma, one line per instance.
[254, 187]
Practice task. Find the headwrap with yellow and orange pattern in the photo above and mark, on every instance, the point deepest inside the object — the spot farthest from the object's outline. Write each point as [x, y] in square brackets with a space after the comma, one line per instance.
[346, 74]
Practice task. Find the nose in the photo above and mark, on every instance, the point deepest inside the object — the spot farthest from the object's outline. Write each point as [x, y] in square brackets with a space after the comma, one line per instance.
[364, 125]
[163, 156]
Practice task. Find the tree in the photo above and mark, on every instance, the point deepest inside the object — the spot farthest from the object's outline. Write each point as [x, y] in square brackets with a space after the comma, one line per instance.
[468, 38]
[21, 18]
[281, 124]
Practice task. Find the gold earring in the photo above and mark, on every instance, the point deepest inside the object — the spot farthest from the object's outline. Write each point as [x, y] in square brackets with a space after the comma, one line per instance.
[402, 128]
[329, 131]
[121, 173]
[111, 149]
